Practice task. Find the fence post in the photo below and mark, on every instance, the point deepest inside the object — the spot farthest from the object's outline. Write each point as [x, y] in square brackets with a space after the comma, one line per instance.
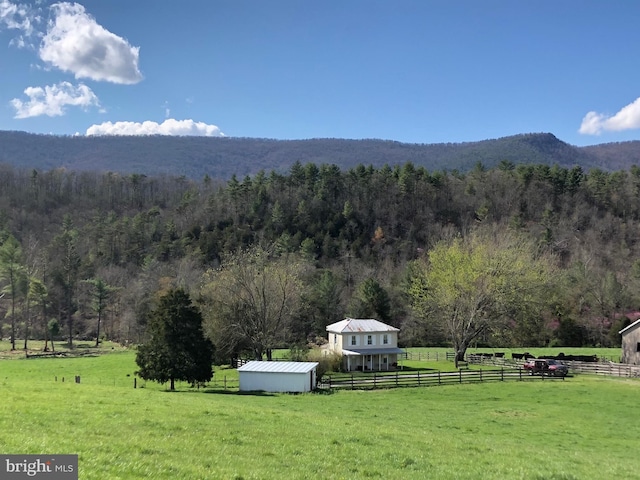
[374, 380]
[480, 375]
[396, 379]
[352, 381]
[460, 371]
[520, 371]
[502, 374]
[439, 377]
[135, 382]
[418, 377]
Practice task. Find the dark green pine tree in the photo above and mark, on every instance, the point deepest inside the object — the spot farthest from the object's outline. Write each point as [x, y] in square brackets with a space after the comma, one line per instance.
[371, 301]
[177, 348]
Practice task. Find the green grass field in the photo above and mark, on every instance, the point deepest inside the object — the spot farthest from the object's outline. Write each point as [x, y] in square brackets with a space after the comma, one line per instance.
[582, 428]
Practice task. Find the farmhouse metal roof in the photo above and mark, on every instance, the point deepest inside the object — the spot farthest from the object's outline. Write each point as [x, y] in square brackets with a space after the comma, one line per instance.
[278, 367]
[371, 351]
[355, 325]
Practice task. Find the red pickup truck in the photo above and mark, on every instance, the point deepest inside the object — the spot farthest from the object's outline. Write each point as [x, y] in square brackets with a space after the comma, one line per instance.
[542, 366]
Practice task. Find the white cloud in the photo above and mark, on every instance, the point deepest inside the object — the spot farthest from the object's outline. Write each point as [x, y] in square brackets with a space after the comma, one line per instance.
[16, 16]
[52, 100]
[627, 118]
[75, 43]
[168, 127]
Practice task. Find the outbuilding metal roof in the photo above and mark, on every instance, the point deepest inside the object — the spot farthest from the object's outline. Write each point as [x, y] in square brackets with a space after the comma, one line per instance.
[278, 367]
[355, 325]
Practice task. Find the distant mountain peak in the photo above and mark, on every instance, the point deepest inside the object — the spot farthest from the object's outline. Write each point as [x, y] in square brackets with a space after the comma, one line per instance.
[195, 157]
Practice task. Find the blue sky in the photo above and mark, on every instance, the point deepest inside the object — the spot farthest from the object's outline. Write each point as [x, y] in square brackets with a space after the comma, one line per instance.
[420, 71]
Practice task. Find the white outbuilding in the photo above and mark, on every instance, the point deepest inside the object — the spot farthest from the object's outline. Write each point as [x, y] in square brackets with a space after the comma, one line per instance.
[278, 376]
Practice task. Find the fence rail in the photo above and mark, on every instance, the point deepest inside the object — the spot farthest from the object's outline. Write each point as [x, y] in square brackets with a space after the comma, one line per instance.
[427, 356]
[606, 368]
[418, 379]
[611, 369]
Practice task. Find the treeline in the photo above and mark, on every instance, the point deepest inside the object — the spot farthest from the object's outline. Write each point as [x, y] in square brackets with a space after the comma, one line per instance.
[100, 248]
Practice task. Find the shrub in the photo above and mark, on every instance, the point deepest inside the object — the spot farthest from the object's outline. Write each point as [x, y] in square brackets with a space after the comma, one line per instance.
[327, 361]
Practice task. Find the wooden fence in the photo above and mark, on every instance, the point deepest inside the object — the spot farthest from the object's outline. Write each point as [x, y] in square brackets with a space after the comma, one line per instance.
[238, 362]
[607, 368]
[418, 379]
[428, 356]
[613, 369]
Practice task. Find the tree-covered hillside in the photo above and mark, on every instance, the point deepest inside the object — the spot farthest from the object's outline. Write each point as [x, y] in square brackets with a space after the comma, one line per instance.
[353, 233]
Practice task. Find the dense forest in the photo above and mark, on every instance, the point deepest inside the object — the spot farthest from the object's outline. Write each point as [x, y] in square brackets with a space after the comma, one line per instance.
[87, 254]
[216, 157]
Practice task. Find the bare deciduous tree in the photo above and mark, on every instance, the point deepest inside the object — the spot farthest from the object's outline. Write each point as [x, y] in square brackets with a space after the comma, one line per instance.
[250, 301]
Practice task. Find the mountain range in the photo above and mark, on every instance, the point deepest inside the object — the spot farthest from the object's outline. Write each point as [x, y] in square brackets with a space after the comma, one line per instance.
[222, 157]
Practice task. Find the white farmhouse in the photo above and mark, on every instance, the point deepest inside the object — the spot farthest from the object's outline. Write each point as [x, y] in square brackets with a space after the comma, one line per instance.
[365, 344]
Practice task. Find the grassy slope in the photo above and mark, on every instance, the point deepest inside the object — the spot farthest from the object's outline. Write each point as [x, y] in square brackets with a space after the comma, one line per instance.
[578, 429]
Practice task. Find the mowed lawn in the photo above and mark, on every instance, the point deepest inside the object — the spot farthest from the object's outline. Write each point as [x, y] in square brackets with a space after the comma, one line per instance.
[581, 428]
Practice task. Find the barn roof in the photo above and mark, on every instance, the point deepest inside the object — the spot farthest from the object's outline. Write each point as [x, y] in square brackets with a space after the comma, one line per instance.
[278, 367]
[360, 325]
[630, 327]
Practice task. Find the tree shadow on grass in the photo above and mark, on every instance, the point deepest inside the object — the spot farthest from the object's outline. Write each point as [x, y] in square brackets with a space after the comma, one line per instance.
[256, 393]
[221, 391]
[414, 369]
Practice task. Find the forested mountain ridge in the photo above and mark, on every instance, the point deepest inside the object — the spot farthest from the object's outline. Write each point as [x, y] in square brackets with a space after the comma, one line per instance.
[220, 158]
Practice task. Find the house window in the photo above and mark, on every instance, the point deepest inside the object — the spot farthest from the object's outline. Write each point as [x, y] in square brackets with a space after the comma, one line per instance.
[369, 340]
[385, 339]
[353, 339]
[638, 347]
[335, 338]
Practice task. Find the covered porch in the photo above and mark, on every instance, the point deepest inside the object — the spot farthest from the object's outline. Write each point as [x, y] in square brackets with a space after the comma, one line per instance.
[371, 359]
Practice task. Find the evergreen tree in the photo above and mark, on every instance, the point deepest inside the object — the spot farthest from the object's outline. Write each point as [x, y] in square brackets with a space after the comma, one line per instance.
[68, 265]
[177, 348]
[371, 301]
[100, 294]
[11, 273]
